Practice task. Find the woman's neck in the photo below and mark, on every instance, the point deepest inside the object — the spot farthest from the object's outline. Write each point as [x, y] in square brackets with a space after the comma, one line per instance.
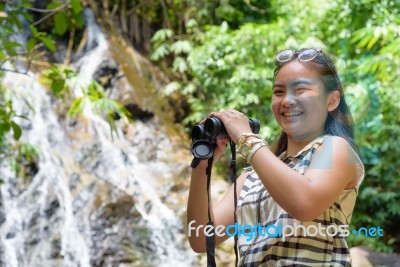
[295, 144]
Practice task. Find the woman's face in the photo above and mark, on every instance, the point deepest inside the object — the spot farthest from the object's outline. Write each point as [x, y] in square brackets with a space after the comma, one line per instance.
[299, 101]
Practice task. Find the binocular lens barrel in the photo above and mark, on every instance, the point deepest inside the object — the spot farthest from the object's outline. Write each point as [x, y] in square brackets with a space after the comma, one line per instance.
[198, 133]
[214, 128]
[254, 125]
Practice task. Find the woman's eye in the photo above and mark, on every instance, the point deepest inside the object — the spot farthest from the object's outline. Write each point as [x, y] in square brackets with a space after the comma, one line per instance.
[278, 92]
[300, 89]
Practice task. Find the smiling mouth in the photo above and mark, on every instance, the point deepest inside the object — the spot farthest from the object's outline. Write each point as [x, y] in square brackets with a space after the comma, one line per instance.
[292, 114]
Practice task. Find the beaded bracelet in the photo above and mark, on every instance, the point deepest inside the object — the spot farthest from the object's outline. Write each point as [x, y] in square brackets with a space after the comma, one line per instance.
[243, 138]
[255, 149]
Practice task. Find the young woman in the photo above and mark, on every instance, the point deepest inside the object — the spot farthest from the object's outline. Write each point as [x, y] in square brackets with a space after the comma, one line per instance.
[303, 191]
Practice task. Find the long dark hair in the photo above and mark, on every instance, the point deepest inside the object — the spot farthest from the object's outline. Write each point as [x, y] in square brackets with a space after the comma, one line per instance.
[339, 122]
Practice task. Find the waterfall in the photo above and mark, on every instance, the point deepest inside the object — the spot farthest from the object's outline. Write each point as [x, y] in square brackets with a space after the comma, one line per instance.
[93, 199]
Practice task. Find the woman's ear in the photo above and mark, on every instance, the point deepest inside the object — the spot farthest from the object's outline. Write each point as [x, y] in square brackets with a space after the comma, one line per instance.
[333, 100]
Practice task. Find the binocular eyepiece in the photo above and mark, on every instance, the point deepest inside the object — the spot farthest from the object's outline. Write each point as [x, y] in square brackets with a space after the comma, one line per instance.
[204, 136]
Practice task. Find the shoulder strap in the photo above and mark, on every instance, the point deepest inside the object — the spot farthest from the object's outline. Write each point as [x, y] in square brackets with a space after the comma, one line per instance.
[232, 166]
[210, 240]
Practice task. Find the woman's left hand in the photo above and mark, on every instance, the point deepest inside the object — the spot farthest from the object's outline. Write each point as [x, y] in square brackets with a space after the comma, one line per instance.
[235, 122]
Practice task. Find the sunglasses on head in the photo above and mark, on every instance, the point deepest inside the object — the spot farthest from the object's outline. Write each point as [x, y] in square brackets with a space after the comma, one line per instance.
[305, 54]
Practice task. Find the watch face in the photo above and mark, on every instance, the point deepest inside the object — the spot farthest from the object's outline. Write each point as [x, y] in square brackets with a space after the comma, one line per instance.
[244, 149]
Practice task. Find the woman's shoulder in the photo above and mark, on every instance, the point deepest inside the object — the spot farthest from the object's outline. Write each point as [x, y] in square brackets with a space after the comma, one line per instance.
[339, 146]
[336, 147]
[340, 152]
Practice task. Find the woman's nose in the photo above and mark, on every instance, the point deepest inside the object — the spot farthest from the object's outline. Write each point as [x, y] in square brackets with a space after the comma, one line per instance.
[289, 100]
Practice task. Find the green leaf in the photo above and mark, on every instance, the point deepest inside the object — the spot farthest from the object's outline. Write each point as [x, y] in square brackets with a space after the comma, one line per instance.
[26, 3]
[162, 35]
[179, 65]
[76, 6]
[31, 44]
[57, 86]
[49, 43]
[4, 127]
[162, 51]
[181, 47]
[70, 73]
[53, 5]
[395, 209]
[95, 92]
[16, 129]
[3, 56]
[10, 44]
[372, 42]
[79, 21]
[61, 22]
[27, 16]
[172, 87]
[76, 107]
[191, 23]
[34, 31]
[17, 22]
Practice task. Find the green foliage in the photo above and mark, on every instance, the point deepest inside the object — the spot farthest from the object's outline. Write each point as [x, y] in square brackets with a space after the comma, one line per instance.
[23, 155]
[10, 22]
[58, 77]
[162, 40]
[230, 65]
[43, 37]
[369, 42]
[233, 69]
[94, 97]
[67, 17]
[61, 79]
[7, 125]
[7, 116]
[6, 122]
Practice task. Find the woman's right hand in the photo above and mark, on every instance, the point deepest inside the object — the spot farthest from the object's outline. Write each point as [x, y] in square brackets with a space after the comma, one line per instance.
[221, 146]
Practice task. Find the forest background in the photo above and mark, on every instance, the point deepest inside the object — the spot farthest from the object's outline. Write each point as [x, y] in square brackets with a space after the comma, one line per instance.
[215, 55]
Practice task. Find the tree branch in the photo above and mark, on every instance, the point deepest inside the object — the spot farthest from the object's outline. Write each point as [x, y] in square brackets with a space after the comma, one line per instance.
[53, 11]
[70, 46]
[165, 12]
[15, 71]
[254, 8]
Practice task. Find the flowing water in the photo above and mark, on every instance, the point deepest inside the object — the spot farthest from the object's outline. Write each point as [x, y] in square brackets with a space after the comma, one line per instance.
[90, 198]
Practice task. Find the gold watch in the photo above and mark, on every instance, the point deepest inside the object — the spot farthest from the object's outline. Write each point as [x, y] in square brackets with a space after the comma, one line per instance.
[245, 147]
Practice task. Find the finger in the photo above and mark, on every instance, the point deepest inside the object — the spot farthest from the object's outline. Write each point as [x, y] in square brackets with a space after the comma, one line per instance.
[224, 140]
[212, 114]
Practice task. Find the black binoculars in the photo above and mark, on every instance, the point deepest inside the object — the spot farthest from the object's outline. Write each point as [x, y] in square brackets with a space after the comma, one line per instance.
[204, 136]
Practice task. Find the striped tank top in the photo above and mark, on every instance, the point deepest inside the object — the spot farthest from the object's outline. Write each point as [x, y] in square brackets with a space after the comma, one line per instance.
[274, 238]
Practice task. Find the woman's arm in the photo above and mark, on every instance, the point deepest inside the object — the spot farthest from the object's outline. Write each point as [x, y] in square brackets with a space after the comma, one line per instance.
[305, 197]
[221, 214]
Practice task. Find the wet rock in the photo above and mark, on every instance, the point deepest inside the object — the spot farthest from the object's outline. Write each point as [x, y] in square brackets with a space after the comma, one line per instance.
[52, 208]
[10, 235]
[2, 217]
[138, 113]
[366, 257]
[106, 73]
